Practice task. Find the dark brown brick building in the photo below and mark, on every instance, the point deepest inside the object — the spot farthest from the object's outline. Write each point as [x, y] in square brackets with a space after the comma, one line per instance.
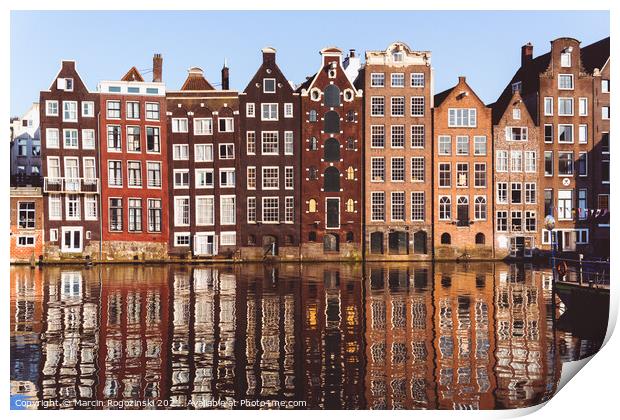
[332, 170]
[557, 88]
[517, 203]
[71, 182]
[463, 222]
[268, 208]
[203, 147]
[398, 154]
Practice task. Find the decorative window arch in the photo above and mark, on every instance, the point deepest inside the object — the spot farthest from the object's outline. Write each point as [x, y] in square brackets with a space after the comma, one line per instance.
[445, 208]
[314, 143]
[350, 143]
[331, 150]
[315, 94]
[312, 115]
[350, 205]
[480, 238]
[331, 180]
[331, 123]
[312, 205]
[350, 173]
[313, 173]
[351, 116]
[332, 96]
[446, 239]
[480, 208]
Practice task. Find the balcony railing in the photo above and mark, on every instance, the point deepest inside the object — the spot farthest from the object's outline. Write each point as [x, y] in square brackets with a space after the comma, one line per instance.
[71, 185]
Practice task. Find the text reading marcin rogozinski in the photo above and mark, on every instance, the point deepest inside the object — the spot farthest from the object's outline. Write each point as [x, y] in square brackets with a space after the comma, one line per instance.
[199, 403]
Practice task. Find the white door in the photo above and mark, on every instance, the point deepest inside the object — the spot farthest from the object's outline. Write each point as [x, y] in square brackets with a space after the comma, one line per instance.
[205, 244]
[71, 239]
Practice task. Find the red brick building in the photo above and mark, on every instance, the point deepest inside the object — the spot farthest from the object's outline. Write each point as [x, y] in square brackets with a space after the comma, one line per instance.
[398, 154]
[134, 164]
[557, 88]
[269, 157]
[26, 224]
[71, 184]
[517, 203]
[463, 222]
[332, 169]
[203, 133]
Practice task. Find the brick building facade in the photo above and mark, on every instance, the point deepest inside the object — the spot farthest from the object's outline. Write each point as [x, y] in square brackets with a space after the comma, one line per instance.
[398, 153]
[559, 90]
[332, 171]
[134, 163]
[269, 158]
[517, 204]
[71, 184]
[26, 224]
[463, 222]
[203, 133]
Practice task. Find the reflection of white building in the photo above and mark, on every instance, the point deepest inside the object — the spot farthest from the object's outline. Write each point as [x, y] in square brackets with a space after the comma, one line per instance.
[26, 149]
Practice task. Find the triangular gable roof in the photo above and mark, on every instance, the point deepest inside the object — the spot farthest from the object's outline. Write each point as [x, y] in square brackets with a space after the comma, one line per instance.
[276, 68]
[133, 75]
[196, 80]
[514, 98]
[441, 96]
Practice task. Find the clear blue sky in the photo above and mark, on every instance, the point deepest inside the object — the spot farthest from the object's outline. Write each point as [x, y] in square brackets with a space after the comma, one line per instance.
[484, 46]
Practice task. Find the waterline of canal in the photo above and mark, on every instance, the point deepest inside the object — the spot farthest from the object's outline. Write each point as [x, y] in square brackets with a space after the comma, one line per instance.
[373, 335]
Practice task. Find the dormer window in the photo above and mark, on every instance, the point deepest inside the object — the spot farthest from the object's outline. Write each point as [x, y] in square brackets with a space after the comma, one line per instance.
[565, 58]
[398, 56]
[269, 85]
[65, 84]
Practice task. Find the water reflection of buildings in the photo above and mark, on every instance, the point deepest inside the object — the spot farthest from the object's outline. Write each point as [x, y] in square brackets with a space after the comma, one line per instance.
[26, 312]
[465, 339]
[403, 335]
[70, 341]
[399, 350]
[527, 369]
[133, 333]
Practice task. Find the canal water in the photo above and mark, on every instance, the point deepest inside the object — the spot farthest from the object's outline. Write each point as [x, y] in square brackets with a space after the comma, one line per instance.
[335, 336]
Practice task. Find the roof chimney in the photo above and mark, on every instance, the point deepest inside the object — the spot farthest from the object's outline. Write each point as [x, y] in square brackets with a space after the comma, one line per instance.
[461, 79]
[269, 55]
[157, 67]
[527, 51]
[352, 52]
[225, 77]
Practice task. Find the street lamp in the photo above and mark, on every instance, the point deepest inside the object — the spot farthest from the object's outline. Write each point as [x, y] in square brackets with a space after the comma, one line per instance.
[550, 225]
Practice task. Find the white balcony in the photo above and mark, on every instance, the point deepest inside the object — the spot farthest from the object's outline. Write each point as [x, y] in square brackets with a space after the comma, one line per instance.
[71, 185]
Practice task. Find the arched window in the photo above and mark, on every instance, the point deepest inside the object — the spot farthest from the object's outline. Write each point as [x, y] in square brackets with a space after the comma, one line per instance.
[445, 208]
[351, 116]
[332, 122]
[479, 238]
[480, 208]
[419, 242]
[314, 144]
[350, 205]
[312, 205]
[349, 236]
[462, 211]
[312, 236]
[332, 96]
[350, 143]
[331, 150]
[331, 242]
[313, 173]
[350, 173]
[445, 238]
[376, 243]
[331, 180]
[312, 116]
